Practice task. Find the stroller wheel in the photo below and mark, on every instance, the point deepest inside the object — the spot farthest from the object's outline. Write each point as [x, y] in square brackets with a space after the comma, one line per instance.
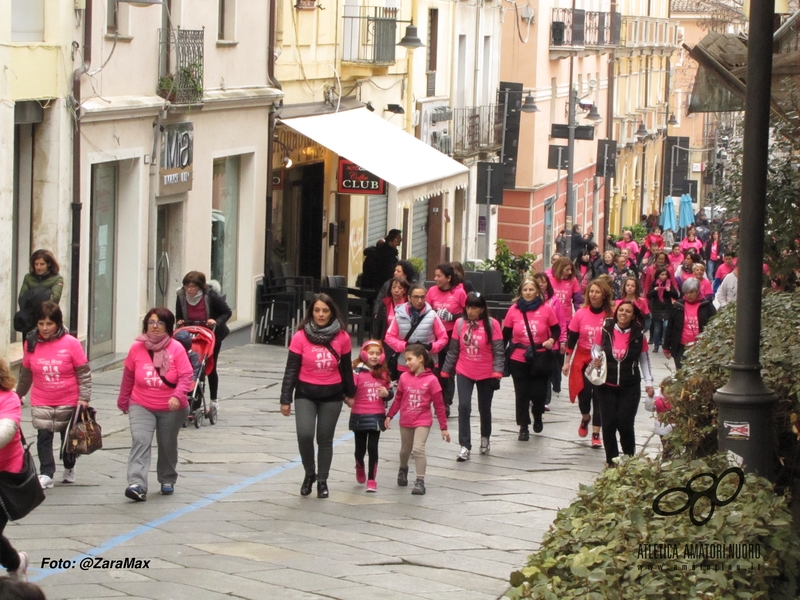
[212, 413]
[198, 418]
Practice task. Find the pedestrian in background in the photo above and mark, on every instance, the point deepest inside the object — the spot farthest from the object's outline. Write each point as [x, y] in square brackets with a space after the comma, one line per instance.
[658, 405]
[155, 382]
[712, 253]
[560, 347]
[728, 289]
[368, 409]
[11, 461]
[727, 266]
[447, 298]
[688, 319]
[320, 375]
[398, 294]
[56, 371]
[386, 258]
[197, 301]
[476, 355]
[699, 272]
[41, 284]
[690, 242]
[417, 390]
[530, 331]
[403, 269]
[581, 335]
[625, 347]
[663, 292]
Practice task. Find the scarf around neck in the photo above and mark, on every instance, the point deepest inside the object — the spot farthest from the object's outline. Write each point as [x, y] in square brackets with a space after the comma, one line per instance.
[33, 338]
[322, 335]
[529, 306]
[195, 300]
[157, 343]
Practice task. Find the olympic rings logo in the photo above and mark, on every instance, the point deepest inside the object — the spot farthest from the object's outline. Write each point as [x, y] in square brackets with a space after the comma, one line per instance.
[692, 496]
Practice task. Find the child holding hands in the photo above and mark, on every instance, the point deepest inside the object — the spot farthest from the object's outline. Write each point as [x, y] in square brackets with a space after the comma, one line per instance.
[417, 389]
[659, 404]
[367, 409]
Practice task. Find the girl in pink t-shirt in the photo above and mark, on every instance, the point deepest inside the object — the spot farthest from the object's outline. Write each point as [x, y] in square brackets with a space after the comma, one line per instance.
[417, 390]
[367, 408]
[11, 461]
[57, 373]
[632, 292]
[476, 355]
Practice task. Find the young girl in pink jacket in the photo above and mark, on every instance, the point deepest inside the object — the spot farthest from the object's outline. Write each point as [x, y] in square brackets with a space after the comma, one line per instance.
[368, 409]
[417, 389]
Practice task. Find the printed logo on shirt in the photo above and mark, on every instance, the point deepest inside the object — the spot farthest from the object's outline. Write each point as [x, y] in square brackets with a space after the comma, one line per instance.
[151, 377]
[416, 397]
[323, 358]
[51, 373]
[372, 388]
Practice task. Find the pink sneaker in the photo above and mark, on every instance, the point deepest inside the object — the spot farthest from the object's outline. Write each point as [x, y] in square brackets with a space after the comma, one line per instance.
[372, 486]
[361, 476]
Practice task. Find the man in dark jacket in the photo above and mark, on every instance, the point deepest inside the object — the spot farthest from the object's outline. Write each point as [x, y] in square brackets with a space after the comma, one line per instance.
[579, 243]
[386, 257]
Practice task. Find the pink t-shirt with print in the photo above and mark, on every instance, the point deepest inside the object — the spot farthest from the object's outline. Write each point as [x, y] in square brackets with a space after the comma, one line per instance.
[563, 289]
[675, 260]
[476, 358]
[11, 453]
[540, 321]
[453, 301]
[691, 322]
[587, 325]
[52, 365]
[367, 401]
[149, 390]
[318, 365]
[620, 341]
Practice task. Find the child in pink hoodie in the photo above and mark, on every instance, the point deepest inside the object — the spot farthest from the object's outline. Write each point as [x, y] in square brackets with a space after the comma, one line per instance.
[368, 408]
[417, 389]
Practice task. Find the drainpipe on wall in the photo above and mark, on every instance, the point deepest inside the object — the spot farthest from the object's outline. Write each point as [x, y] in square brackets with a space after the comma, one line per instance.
[610, 121]
[152, 210]
[75, 259]
[273, 33]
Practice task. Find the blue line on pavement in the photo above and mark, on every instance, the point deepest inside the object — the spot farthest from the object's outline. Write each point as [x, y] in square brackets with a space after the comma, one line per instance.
[202, 503]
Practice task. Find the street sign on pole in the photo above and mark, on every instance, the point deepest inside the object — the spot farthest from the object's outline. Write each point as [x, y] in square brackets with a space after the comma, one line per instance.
[489, 189]
[606, 158]
[582, 132]
[557, 157]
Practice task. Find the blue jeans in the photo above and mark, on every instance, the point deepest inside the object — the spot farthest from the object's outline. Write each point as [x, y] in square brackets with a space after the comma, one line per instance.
[659, 327]
[711, 268]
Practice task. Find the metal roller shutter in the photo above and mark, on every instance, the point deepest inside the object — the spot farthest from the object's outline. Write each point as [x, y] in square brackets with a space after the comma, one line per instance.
[419, 234]
[376, 218]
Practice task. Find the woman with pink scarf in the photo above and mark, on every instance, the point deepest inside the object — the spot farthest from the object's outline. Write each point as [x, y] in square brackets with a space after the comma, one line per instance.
[155, 382]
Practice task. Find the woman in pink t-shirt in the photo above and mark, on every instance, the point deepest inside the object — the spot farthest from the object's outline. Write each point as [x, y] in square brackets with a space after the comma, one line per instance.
[320, 376]
[447, 299]
[622, 341]
[627, 242]
[580, 337]
[690, 242]
[632, 292]
[56, 371]
[476, 355]
[706, 289]
[713, 254]
[560, 347]
[155, 381]
[11, 461]
[688, 319]
[530, 331]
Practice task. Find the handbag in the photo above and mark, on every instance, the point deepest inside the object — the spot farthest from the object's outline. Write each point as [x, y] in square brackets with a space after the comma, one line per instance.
[21, 492]
[597, 375]
[85, 435]
[541, 363]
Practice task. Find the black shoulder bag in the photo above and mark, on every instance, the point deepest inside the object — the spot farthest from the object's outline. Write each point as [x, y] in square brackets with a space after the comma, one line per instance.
[540, 363]
[166, 381]
[21, 492]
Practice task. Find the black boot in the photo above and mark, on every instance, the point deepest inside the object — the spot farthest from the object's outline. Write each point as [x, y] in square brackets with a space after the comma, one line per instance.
[322, 488]
[308, 483]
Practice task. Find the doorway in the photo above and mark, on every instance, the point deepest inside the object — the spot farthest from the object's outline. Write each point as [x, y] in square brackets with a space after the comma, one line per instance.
[302, 221]
[169, 263]
[102, 260]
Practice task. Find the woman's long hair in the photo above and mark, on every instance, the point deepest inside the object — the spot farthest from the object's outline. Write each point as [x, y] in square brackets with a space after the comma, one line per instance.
[335, 313]
[637, 325]
[7, 380]
[602, 283]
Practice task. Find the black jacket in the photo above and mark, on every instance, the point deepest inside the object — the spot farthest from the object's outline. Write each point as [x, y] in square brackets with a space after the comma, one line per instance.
[386, 257]
[292, 384]
[661, 310]
[625, 372]
[579, 244]
[672, 336]
[216, 308]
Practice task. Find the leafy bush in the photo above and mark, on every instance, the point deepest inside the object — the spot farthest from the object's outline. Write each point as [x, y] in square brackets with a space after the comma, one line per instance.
[512, 268]
[593, 551]
[704, 371]
[418, 265]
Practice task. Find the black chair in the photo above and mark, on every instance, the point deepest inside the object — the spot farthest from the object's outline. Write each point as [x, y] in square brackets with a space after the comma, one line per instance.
[338, 281]
[354, 310]
[498, 309]
[429, 284]
[278, 315]
[493, 286]
[477, 280]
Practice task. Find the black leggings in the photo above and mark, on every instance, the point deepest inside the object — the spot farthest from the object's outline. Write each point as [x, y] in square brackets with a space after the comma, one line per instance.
[619, 405]
[367, 441]
[587, 402]
[528, 389]
[447, 383]
[47, 461]
[213, 378]
[9, 557]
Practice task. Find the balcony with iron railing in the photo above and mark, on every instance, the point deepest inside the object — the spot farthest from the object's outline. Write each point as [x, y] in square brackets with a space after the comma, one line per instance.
[180, 71]
[578, 31]
[477, 129]
[369, 35]
[646, 32]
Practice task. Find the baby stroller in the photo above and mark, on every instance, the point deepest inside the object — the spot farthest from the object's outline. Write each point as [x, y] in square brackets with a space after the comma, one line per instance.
[203, 344]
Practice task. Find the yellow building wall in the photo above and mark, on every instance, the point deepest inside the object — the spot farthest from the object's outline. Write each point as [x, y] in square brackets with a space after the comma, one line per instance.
[38, 71]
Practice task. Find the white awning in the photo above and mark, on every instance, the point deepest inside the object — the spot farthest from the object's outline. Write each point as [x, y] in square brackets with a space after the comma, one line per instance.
[414, 168]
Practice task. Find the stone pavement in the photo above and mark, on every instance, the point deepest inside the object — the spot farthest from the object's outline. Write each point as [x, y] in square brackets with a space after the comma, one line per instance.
[238, 528]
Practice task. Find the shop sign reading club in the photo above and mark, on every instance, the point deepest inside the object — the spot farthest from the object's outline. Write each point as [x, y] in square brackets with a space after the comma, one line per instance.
[355, 180]
[177, 158]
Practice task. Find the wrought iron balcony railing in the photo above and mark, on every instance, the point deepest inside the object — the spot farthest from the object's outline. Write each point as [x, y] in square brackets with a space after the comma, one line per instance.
[584, 28]
[477, 129]
[180, 71]
[369, 34]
